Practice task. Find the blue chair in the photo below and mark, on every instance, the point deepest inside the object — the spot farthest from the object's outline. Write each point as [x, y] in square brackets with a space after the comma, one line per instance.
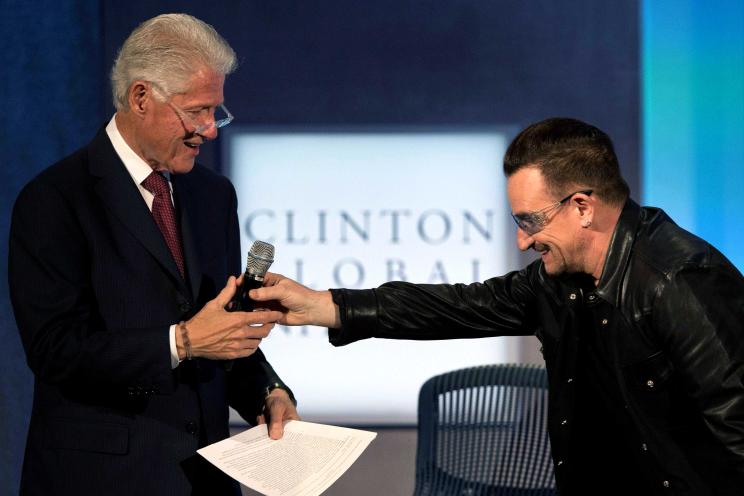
[483, 431]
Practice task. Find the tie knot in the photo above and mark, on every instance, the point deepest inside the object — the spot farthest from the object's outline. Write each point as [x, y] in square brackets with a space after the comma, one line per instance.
[156, 184]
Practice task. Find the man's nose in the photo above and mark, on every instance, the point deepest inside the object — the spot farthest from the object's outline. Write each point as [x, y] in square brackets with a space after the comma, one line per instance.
[210, 131]
[524, 240]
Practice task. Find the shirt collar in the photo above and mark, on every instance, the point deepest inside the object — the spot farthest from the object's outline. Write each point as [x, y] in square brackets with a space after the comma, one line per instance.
[138, 169]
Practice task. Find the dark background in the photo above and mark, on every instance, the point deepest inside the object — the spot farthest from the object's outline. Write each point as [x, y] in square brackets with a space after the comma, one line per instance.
[337, 63]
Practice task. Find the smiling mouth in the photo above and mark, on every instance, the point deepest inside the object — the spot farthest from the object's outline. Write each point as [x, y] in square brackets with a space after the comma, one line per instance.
[541, 248]
[191, 145]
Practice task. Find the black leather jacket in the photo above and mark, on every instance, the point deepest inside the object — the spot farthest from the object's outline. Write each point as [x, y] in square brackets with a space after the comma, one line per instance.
[676, 348]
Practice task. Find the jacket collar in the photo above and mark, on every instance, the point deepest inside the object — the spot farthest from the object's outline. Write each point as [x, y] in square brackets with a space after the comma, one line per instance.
[618, 253]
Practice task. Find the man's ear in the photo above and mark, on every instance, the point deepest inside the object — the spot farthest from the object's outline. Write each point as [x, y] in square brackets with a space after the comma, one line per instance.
[584, 205]
[139, 96]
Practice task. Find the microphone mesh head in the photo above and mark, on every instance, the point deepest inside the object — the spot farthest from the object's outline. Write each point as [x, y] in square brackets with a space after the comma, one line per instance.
[260, 258]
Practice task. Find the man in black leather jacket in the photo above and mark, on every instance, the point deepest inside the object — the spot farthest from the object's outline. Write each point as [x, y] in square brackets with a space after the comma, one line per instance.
[641, 323]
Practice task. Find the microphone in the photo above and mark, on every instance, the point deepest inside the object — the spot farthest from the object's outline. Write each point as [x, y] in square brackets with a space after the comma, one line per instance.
[260, 258]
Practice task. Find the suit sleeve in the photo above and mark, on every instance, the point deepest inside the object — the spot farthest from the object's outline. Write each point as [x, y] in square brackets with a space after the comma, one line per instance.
[700, 317]
[64, 336]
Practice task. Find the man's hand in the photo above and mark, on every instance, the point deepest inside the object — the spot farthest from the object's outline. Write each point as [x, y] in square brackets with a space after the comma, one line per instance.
[298, 304]
[279, 409]
[218, 334]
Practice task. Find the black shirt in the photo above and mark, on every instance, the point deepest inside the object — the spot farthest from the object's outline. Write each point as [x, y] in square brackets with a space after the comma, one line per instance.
[601, 456]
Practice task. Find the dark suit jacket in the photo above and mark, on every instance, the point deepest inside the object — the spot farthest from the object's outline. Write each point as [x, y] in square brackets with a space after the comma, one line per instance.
[95, 290]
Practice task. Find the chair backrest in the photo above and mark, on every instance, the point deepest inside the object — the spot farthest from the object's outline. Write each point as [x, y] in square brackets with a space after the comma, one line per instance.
[483, 431]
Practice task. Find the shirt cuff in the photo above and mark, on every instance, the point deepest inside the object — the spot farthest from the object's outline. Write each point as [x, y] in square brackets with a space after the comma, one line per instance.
[173, 349]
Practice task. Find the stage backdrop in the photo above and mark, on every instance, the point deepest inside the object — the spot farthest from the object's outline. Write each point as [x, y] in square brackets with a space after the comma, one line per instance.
[335, 63]
[693, 117]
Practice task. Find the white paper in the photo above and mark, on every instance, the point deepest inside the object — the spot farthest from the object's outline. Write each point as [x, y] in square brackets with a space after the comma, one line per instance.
[304, 462]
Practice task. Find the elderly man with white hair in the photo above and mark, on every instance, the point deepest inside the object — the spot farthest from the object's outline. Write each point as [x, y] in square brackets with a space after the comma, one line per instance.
[123, 259]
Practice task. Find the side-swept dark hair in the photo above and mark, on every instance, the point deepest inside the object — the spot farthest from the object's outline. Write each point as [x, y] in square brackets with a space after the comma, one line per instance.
[570, 154]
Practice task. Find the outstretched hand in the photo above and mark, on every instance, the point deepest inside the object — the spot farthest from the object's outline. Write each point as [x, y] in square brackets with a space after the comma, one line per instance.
[298, 304]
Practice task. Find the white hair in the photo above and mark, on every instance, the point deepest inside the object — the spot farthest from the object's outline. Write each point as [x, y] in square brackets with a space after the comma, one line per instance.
[167, 50]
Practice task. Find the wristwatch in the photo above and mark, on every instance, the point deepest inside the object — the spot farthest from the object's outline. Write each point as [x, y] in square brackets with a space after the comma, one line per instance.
[276, 385]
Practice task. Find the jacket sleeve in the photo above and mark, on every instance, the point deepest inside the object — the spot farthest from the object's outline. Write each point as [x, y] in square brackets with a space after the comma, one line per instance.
[248, 381]
[65, 338]
[400, 310]
[699, 315]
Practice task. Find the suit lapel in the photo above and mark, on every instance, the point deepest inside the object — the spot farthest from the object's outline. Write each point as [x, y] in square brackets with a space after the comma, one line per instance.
[119, 193]
[184, 199]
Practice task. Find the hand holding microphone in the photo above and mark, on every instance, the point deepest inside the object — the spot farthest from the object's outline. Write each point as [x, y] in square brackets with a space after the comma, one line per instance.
[229, 327]
[298, 304]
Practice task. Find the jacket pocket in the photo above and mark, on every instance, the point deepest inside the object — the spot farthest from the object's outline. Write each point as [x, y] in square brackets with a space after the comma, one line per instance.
[651, 374]
[87, 436]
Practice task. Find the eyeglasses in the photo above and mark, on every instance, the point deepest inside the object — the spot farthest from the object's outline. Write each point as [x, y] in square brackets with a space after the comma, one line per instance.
[194, 120]
[221, 118]
[534, 222]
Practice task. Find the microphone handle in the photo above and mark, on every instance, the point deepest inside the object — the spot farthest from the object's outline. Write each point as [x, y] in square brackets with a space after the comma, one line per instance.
[241, 302]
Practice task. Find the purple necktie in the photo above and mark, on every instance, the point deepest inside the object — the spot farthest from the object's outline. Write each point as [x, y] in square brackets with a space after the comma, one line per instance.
[165, 215]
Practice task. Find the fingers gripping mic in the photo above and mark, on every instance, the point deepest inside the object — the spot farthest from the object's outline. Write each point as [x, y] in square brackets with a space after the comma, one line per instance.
[260, 257]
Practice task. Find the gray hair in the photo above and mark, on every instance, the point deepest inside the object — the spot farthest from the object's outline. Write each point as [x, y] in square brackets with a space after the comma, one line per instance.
[167, 50]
